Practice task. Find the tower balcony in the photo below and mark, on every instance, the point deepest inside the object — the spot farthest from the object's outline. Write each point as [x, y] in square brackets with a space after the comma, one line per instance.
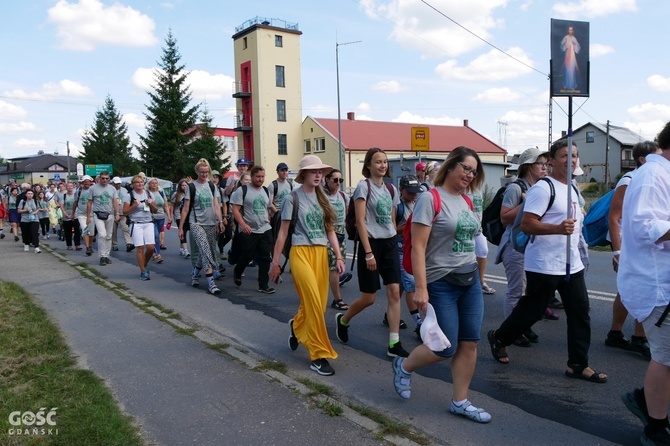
[242, 123]
[241, 89]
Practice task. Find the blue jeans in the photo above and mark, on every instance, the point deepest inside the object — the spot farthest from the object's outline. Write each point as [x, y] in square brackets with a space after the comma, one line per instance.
[459, 311]
[158, 225]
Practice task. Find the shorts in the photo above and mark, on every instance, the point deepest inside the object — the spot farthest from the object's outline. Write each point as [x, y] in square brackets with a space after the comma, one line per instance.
[388, 265]
[658, 337]
[86, 229]
[332, 260]
[406, 279]
[142, 234]
[14, 216]
[459, 311]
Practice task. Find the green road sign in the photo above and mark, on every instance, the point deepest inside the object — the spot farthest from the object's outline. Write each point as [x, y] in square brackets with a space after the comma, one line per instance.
[95, 169]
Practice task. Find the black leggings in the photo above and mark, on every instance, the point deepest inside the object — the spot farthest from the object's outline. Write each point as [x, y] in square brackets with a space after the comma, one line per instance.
[44, 224]
[30, 231]
[68, 227]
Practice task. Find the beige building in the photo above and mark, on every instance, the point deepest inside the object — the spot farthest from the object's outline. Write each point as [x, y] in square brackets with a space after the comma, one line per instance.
[268, 89]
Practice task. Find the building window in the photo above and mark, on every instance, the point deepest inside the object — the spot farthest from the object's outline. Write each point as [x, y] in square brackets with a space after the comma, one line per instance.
[281, 144]
[279, 41]
[279, 76]
[319, 144]
[590, 137]
[281, 110]
[308, 146]
[244, 43]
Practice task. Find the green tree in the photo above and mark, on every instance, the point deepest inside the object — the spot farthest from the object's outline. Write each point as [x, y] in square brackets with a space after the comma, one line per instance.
[205, 145]
[165, 149]
[107, 141]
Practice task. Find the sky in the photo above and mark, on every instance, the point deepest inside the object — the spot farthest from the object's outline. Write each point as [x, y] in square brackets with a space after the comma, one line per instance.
[424, 62]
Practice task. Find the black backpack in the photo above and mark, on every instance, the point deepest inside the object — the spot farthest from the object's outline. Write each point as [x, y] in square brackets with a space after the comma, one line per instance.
[350, 219]
[191, 189]
[492, 227]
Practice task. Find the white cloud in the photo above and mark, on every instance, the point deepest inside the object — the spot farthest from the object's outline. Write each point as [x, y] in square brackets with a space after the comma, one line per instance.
[418, 119]
[19, 127]
[36, 143]
[84, 25]
[66, 87]
[659, 83]
[387, 86]
[203, 85]
[650, 112]
[526, 5]
[594, 8]
[22, 94]
[420, 27]
[11, 112]
[135, 122]
[598, 49]
[648, 129]
[525, 129]
[493, 65]
[497, 95]
[364, 106]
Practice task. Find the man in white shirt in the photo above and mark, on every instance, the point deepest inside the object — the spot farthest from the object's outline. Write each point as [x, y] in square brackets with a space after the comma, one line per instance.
[644, 284]
[545, 266]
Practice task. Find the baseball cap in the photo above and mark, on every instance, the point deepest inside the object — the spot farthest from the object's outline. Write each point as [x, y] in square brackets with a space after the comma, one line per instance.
[86, 177]
[529, 156]
[420, 167]
[215, 173]
[116, 180]
[242, 161]
[432, 335]
[410, 183]
[282, 166]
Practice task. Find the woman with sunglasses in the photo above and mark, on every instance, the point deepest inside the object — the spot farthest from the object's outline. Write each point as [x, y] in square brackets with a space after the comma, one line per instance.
[340, 203]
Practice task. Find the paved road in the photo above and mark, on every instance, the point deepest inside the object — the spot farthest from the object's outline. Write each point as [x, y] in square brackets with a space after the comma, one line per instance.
[530, 399]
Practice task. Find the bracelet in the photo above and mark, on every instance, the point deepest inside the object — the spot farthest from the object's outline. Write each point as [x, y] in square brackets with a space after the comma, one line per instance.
[340, 258]
[368, 253]
[367, 259]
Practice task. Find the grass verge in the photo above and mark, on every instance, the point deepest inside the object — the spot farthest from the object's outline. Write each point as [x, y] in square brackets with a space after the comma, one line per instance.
[38, 371]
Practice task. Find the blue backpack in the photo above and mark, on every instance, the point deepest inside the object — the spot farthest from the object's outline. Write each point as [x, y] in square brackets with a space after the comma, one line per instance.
[596, 224]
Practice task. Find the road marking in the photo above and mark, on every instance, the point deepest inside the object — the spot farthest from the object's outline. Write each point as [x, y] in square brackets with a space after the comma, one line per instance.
[593, 294]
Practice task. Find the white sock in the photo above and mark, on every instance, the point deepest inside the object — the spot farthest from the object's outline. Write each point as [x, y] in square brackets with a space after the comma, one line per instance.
[393, 338]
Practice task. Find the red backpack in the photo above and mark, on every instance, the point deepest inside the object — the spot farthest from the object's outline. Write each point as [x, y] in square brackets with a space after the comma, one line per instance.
[407, 232]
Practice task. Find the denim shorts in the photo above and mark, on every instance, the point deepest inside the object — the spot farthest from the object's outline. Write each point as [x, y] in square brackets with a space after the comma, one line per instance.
[406, 279]
[459, 311]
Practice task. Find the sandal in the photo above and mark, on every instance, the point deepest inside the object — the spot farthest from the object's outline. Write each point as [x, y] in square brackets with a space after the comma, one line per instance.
[498, 351]
[578, 373]
[487, 289]
[163, 247]
[339, 305]
[158, 258]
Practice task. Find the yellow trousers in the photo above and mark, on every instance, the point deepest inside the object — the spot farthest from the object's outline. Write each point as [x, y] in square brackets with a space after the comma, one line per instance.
[309, 268]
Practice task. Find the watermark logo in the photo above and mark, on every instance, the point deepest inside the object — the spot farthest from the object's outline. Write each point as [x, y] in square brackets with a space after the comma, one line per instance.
[42, 422]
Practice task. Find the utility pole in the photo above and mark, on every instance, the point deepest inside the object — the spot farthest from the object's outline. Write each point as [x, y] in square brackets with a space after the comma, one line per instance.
[67, 143]
[339, 114]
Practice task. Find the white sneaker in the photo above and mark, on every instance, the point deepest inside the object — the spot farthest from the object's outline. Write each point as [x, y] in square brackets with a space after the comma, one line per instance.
[38, 250]
[26, 248]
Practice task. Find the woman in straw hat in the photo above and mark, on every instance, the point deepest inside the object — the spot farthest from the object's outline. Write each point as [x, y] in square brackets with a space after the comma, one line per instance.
[314, 230]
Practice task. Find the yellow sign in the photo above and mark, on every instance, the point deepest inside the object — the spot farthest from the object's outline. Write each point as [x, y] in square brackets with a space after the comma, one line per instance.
[420, 139]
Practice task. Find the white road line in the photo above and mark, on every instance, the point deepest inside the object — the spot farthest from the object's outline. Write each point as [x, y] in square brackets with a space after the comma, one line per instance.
[593, 294]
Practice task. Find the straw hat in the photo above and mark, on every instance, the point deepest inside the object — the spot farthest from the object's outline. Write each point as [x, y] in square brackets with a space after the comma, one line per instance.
[311, 162]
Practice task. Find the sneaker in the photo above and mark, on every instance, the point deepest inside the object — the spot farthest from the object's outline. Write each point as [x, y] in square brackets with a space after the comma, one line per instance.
[213, 289]
[102, 261]
[130, 247]
[195, 272]
[403, 325]
[217, 275]
[222, 269]
[38, 250]
[341, 331]
[2, 235]
[344, 278]
[89, 251]
[469, 411]
[555, 303]
[16, 238]
[637, 404]
[237, 280]
[531, 336]
[107, 260]
[145, 276]
[195, 283]
[182, 252]
[401, 380]
[266, 290]
[640, 345]
[322, 367]
[548, 314]
[26, 248]
[657, 437]
[292, 340]
[397, 350]
[187, 255]
[115, 248]
[48, 236]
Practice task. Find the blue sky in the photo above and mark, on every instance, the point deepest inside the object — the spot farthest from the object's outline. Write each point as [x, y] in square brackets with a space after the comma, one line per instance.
[62, 58]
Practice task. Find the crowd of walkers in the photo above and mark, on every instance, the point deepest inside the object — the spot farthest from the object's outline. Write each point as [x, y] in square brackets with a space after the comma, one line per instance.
[423, 238]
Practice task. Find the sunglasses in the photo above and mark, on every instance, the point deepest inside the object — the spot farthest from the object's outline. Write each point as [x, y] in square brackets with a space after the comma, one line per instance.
[337, 180]
[203, 172]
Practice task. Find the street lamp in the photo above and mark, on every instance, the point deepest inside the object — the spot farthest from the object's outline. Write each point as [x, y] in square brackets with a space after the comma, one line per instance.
[339, 113]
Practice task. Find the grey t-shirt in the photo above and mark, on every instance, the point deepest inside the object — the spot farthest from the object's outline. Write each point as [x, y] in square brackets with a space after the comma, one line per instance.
[283, 189]
[27, 217]
[451, 243]
[378, 216]
[511, 199]
[309, 229]
[67, 200]
[202, 208]
[255, 206]
[142, 213]
[160, 201]
[340, 203]
[83, 202]
[121, 195]
[102, 198]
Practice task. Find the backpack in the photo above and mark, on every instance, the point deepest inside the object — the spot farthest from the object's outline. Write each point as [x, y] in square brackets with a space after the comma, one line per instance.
[492, 227]
[275, 186]
[191, 190]
[350, 219]
[407, 232]
[596, 222]
[291, 229]
[132, 198]
[520, 239]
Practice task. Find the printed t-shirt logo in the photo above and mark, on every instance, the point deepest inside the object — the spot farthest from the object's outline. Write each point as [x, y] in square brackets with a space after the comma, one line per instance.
[260, 205]
[384, 210]
[314, 222]
[464, 238]
[205, 198]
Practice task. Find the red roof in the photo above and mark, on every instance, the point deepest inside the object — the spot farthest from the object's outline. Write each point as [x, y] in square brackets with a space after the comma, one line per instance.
[396, 136]
[217, 131]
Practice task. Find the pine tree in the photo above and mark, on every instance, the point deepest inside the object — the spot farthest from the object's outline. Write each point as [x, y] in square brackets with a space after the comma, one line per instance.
[107, 142]
[165, 149]
[206, 145]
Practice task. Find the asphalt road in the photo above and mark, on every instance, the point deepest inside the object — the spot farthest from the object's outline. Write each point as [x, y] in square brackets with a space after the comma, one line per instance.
[533, 381]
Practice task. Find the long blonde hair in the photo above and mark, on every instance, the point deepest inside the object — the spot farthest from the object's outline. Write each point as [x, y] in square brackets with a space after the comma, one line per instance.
[203, 162]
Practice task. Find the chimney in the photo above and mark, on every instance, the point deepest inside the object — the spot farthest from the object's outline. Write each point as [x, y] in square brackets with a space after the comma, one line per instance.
[351, 116]
[465, 123]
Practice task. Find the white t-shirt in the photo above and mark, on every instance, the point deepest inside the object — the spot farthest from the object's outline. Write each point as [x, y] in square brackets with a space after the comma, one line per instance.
[545, 254]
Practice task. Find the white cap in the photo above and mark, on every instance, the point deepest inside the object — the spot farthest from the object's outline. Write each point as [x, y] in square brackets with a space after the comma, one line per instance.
[431, 334]
[116, 180]
[86, 177]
